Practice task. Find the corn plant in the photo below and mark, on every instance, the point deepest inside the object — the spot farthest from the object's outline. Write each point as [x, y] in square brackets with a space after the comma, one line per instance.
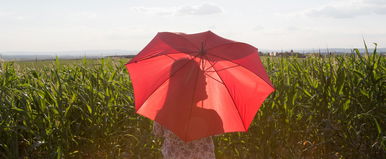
[323, 107]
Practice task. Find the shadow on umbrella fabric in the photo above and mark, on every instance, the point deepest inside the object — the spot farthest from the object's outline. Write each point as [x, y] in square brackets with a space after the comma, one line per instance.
[199, 85]
[187, 84]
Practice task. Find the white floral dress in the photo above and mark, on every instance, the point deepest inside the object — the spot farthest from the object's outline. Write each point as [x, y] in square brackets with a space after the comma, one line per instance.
[175, 148]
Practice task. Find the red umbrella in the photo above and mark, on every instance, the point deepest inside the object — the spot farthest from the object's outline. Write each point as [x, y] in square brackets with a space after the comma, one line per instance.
[198, 85]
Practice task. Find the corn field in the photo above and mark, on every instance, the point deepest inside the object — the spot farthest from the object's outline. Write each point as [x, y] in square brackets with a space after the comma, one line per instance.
[323, 107]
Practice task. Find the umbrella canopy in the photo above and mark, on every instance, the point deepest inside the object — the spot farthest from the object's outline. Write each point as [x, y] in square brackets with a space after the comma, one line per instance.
[198, 85]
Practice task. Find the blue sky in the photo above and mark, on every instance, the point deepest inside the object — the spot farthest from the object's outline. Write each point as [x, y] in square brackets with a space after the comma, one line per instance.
[63, 25]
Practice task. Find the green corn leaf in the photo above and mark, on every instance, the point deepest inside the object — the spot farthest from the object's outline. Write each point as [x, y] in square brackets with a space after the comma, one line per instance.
[17, 109]
[346, 105]
[378, 126]
[89, 109]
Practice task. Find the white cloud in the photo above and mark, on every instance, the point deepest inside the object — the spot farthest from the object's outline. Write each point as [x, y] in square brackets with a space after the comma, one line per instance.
[11, 15]
[154, 10]
[203, 9]
[20, 17]
[376, 2]
[338, 12]
[293, 28]
[258, 28]
[349, 9]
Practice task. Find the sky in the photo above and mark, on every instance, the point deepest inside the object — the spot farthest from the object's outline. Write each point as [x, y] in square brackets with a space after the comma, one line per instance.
[67, 25]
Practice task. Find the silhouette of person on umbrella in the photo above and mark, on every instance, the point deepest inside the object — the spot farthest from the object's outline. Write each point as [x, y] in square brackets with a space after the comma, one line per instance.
[196, 86]
[173, 146]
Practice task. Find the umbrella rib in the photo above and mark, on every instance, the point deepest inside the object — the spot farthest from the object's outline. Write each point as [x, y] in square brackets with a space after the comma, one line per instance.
[229, 60]
[178, 51]
[213, 78]
[169, 78]
[206, 70]
[226, 68]
[155, 55]
[211, 65]
[170, 57]
[148, 57]
[231, 43]
[230, 96]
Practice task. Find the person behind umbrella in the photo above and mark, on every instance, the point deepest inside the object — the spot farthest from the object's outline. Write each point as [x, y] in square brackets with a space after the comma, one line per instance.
[173, 147]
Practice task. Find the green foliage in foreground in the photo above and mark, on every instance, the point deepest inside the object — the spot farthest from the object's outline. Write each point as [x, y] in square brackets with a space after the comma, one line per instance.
[330, 107]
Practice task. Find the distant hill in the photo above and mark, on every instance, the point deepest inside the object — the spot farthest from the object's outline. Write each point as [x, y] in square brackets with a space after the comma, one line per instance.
[41, 57]
[326, 50]
[27, 56]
